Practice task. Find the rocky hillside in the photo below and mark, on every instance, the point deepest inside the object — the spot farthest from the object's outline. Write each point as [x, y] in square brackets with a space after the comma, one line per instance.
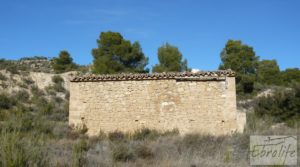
[33, 72]
[10, 82]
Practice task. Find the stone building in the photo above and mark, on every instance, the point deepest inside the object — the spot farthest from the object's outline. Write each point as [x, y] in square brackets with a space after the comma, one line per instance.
[202, 102]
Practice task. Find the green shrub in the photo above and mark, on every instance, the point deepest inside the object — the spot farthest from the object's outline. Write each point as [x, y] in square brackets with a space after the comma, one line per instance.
[4, 85]
[121, 152]
[36, 91]
[50, 90]
[3, 116]
[144, 152]
[79, 153]
[12, 151]
[22, 96]
[15, 150]
[28, 81]
[57, 79]
[116, 136]
[12, 68]
[59, 87]
[102, 135]
[173, 132]
[3, 64]
[58, 99]
[152, 134]
[83, 129]
[145, 133]
[23, 85]
[47, 109]
[282, 106]
[39, 104]
[6, 102]
[3, 77]
[256, 123]
[27, 123]
[61, 130]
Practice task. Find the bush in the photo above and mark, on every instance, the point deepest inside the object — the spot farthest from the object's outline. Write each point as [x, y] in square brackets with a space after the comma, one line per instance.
[102, 135]
[173, 132]
[116, 136]
[61, 130]
[12, 68]
[57, 79]
[47, 109]
[16, 150]
[58, 99]
[79, 153]
[3, 77]
[145, 133]
[283, 106]
[6, 102]
[36, 91]
[39, 103]
[3, 116]
[50, 90]
[152, 134]
[59, 87]
[121, 152]
[144, 152]
[12, 150]
[255, 123]
[208, 144]
[83, 129]
[22, 96]
[28, 81]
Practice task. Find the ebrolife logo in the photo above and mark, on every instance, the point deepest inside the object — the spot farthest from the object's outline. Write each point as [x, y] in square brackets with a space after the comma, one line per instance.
[273, 150]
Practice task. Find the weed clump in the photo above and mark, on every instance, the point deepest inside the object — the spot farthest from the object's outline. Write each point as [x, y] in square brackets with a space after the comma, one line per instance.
[122, 152]
[116, 136]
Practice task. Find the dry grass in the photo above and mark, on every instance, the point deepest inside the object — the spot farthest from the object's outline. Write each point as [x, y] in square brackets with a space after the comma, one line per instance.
[192, 150]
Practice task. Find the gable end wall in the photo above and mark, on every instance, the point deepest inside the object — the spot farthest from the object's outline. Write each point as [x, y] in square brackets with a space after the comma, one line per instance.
[189, 106]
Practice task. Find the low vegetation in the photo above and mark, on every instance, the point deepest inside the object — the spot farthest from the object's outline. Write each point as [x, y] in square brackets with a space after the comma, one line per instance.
[282, 106]
[34, 64]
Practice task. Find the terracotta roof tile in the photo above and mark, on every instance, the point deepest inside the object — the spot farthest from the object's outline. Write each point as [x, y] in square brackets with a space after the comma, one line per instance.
[206, 75]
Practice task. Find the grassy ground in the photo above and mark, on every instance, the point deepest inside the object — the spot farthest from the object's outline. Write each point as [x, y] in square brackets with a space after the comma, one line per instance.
[57, 145]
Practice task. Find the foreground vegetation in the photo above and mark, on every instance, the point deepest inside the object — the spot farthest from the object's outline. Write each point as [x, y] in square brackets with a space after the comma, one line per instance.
[59, 146]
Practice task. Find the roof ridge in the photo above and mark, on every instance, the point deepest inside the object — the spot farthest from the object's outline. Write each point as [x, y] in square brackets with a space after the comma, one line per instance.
[152, 76]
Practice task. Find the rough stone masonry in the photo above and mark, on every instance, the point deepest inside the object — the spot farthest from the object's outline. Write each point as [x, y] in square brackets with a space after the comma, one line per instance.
[202, 102]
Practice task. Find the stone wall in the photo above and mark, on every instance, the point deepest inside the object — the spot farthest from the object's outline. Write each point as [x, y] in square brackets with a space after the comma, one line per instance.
[204, 106]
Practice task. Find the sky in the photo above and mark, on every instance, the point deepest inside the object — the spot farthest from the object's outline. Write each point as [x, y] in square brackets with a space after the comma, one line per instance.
[199, 28]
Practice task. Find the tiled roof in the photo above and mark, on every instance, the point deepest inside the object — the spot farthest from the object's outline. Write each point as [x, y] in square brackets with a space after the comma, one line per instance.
[201, 75]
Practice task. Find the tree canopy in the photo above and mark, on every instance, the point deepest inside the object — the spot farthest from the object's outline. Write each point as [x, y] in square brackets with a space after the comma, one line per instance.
[170, 60]
[290, 75]
[115, 54]
[268, 72]
[63, 63]
[242, 59]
